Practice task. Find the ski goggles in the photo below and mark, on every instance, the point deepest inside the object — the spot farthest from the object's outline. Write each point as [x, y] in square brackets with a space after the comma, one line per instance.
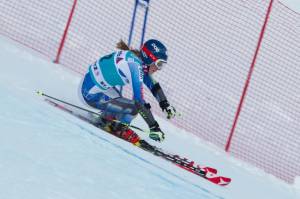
[160, 63]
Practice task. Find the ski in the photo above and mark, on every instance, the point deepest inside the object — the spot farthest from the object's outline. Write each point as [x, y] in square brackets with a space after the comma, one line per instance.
[208, 173]
[205, 172]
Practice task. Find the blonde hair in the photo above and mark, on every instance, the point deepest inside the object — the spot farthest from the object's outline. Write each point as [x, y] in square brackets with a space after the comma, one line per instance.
[123, 46]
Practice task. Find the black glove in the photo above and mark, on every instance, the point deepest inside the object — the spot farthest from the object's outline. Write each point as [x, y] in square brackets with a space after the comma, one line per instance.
[156, 133]
[169, 110]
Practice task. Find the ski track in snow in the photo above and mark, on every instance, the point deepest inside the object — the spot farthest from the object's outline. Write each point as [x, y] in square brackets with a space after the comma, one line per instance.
[149, 163]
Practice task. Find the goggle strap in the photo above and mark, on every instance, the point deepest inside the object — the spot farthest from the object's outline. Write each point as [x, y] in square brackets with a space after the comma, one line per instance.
[149, 53]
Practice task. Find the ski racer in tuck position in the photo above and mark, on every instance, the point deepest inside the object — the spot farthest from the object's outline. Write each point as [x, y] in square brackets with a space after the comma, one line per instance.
[102, 86]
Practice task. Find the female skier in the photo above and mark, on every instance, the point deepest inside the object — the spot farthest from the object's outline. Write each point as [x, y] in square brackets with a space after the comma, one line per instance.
[102, 87]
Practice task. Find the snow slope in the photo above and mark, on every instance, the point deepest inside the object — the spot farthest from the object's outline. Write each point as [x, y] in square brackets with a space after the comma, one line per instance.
[47, 153]
[292, 4]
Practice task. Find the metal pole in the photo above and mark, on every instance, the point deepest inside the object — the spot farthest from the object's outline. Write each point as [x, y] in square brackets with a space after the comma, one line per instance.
[145, 21]
[132, 22]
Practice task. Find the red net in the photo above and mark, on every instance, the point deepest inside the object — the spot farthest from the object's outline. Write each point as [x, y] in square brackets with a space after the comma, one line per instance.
[211, 49]
[35, 23]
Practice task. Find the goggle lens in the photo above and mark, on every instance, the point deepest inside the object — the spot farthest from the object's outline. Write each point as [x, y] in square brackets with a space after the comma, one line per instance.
[160, 63]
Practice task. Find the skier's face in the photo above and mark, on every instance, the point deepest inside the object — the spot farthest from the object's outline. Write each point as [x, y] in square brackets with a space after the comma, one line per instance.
[152, 68]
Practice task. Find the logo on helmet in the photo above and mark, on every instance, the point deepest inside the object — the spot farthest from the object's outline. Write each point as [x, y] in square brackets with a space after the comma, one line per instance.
[155, 47]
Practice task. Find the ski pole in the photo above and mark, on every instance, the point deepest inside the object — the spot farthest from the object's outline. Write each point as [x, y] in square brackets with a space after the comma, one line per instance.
[89, 111]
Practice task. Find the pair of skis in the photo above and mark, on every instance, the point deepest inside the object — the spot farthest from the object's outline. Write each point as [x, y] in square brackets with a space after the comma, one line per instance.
[205, 172]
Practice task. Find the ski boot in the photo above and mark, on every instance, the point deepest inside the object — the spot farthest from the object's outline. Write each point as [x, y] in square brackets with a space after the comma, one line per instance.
[108, 124]
[104, 123]
[122, 131]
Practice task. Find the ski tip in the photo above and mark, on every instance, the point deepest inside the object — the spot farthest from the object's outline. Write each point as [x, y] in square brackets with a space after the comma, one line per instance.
[224, 181]
[219, 180]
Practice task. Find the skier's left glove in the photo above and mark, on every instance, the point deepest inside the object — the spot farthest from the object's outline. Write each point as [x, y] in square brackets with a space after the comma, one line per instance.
[156, 133]
[168, 109]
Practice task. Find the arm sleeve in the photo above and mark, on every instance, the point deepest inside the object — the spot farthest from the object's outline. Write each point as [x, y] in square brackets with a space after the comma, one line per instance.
[149, 81]
[137, 86]
[155, 88]
[137, 82]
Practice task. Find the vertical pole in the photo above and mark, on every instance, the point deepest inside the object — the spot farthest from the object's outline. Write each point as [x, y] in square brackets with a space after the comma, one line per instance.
[132, 22]
[62, 42]
[145, 21]
[262, 32]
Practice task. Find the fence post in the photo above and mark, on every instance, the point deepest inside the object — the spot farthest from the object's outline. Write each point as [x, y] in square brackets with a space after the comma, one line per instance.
[262, 32]
[62, 42]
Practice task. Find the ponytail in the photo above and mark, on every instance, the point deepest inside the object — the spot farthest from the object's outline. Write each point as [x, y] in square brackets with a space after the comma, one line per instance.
[123, 46]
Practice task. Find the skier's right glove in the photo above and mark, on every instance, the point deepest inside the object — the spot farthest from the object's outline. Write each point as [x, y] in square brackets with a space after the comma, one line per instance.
[167, 108]
[156, 133]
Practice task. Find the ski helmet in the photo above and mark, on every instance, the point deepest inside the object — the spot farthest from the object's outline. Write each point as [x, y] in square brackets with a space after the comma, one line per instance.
[154, 51]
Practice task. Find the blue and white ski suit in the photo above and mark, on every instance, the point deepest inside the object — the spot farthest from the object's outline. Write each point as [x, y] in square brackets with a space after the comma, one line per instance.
[102, 86]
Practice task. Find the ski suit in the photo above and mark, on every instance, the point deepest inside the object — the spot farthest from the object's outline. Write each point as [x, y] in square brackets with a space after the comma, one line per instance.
[102, 87]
